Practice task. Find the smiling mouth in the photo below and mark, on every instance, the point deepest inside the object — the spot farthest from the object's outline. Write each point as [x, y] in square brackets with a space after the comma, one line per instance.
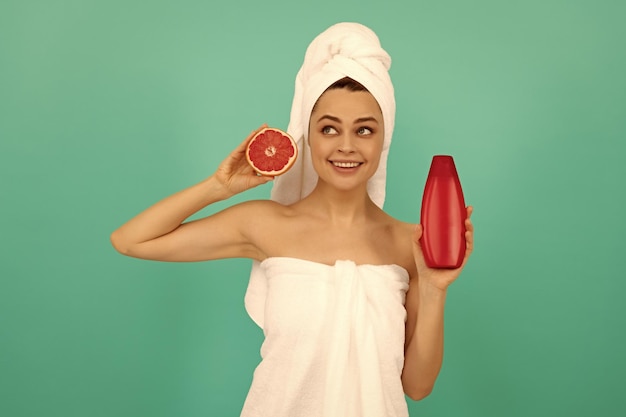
[346, 164]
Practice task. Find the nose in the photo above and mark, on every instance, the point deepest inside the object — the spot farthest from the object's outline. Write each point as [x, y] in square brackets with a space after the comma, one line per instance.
[346, 143]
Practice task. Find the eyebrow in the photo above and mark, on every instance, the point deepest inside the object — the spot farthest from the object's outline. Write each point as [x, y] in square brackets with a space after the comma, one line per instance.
[338, 120]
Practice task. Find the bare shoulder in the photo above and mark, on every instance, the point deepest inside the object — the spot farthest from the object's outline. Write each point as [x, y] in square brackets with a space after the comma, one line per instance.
[262, 223]
[255, 214]
[261, 210]
[402, 236]
[400, 229]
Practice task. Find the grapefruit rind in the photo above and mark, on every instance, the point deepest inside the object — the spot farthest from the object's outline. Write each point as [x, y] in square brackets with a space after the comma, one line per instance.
[267, 154]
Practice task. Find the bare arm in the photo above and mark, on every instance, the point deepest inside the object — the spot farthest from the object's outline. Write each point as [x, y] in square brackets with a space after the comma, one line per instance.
[425, 304]
[424, 346]
[159, 233]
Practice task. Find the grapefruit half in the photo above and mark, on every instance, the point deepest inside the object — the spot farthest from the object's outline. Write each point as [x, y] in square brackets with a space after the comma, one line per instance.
[271, 152]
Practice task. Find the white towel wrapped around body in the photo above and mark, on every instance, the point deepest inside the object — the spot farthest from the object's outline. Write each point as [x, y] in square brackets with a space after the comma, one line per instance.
[334, 341]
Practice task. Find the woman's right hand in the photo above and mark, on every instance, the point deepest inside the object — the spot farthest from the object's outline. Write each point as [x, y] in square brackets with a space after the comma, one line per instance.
[235, 173]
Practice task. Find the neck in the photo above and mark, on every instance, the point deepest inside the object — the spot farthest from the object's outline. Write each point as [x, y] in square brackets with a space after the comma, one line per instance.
[341, 207]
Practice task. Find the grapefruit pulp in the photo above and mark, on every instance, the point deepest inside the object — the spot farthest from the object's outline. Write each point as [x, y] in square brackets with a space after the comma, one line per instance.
[271, 152]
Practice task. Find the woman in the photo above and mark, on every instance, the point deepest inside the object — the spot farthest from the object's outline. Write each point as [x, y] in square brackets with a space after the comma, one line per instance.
[352, 317]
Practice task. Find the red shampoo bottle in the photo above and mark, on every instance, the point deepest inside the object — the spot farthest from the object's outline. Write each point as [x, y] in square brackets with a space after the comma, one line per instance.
[443, 215]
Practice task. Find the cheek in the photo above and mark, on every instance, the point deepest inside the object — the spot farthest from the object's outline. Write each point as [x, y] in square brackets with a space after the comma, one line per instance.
[375, 148]
[317, 146]
[374, 155]
[318, 152]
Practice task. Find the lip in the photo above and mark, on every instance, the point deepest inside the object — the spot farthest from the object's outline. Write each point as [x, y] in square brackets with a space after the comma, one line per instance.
[345, 161]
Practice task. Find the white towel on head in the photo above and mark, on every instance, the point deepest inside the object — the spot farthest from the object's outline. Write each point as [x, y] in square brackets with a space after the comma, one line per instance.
[343, 50]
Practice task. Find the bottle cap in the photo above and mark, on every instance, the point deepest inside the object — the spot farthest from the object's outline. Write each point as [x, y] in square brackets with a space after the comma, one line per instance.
[442, 165]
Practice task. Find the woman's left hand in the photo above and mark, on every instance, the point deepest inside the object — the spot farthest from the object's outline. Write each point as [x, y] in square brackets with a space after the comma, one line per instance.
[441, 278]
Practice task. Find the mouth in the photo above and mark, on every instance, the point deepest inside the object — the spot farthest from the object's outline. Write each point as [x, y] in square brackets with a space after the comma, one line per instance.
[346, 164]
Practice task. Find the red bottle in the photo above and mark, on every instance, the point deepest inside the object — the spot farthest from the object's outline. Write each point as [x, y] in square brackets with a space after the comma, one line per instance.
[443, 215]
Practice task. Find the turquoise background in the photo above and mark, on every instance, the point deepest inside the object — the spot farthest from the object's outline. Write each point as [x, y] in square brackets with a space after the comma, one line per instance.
[109, 106]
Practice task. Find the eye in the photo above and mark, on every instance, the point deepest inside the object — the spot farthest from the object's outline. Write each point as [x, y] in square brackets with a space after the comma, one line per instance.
[329, 130]
[364, 131]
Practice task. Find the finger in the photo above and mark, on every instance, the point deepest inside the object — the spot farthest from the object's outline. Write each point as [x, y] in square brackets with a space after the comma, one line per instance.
[260, 180]
[469, 228]
[244, 168]
[469, 239]
[417, 234]
[418, 256]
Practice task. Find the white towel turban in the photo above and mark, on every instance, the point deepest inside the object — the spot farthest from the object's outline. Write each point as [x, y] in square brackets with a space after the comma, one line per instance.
[343, 50]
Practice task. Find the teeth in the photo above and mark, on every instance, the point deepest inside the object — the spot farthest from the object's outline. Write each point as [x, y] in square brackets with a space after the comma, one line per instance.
[346, 164]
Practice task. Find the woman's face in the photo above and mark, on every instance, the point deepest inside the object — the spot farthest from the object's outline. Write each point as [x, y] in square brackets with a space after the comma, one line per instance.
[346, 135]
